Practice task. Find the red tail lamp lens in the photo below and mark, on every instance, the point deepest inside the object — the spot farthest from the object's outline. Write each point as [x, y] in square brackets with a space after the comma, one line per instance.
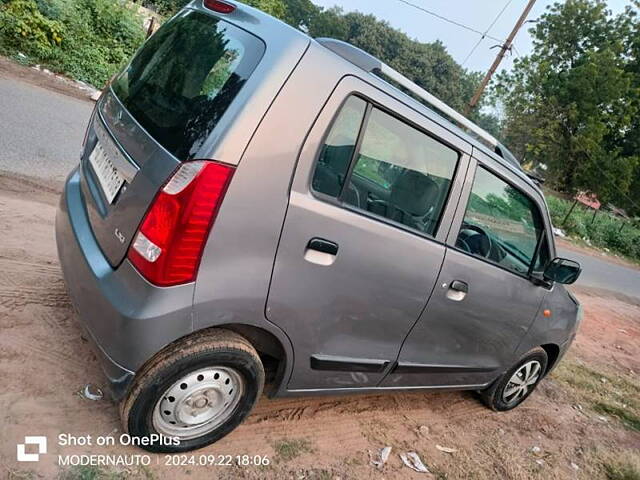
[168, 246]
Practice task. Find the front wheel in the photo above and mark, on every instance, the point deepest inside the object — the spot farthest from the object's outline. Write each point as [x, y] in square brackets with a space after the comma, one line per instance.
[194, 392]
[512, 388]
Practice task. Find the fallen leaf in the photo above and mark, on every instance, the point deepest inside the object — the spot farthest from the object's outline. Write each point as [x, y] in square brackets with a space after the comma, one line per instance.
[383, 457]
[412, 460]
[446, 449]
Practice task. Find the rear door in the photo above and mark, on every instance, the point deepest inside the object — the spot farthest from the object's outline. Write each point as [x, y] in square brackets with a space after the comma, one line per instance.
[158, 112]
[485, 301]
[362, 243]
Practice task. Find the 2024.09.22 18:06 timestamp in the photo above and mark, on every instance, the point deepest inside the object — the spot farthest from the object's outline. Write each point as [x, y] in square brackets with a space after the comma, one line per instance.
[216, 460]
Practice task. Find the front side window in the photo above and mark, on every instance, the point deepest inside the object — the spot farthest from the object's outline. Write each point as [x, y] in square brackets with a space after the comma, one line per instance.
[502, 225]
[185, 76]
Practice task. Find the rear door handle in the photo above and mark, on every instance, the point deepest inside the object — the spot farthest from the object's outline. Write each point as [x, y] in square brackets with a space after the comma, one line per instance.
[459, 286]
[321, 251]
[322, 245]
[457, 291]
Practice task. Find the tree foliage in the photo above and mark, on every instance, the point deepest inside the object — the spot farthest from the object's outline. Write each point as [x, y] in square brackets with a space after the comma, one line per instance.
[572, 104]
[427, 64]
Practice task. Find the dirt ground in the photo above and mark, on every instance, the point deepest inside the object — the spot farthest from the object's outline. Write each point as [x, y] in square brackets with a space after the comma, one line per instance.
[583, 422]
[56, 82]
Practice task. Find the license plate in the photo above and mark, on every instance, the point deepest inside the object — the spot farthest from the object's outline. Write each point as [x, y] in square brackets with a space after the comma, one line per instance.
[108, 176]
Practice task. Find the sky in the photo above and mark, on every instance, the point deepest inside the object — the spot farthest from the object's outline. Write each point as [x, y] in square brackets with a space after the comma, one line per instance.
[477, 14]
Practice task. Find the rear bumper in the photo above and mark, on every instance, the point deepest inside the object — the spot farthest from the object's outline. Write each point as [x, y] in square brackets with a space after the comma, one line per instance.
[128, 319]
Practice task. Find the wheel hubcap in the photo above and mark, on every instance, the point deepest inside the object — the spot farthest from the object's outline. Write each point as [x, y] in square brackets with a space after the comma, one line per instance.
[522, 382]
[198, 403]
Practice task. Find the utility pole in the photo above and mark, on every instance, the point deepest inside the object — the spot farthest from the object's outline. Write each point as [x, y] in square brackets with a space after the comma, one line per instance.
[503, 50]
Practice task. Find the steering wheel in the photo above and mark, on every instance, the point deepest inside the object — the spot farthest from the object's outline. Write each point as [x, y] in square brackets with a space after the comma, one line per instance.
[479, 243]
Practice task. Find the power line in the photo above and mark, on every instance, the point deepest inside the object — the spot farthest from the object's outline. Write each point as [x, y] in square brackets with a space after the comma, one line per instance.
[472, 50]
[448, 20]
[486, 31]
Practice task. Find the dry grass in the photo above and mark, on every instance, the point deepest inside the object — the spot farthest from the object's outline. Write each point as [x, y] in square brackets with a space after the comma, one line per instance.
[612, 395]
[90, 472]
[288, 449]
[611, 465]
[21, 475]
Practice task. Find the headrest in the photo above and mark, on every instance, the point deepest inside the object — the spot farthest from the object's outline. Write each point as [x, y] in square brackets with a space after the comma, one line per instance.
[414, 192]
[338, 156]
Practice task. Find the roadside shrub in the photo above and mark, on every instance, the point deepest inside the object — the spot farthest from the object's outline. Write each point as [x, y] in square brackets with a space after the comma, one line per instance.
[606, 231]
[86, 39]
[49, 8]
[23, 27]
[102, 35]
[165, 7]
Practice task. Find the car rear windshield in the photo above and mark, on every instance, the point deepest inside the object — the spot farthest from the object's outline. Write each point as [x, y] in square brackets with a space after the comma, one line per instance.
[185, 76]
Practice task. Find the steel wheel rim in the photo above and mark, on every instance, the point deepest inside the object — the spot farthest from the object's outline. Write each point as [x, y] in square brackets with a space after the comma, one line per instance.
[522, 382]
[198, 403]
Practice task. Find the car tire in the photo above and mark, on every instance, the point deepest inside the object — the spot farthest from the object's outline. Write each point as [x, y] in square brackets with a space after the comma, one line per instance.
[198, 389]
[514, 386]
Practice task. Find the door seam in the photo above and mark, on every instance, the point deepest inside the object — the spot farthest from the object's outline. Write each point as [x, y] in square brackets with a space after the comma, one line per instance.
[433, 289]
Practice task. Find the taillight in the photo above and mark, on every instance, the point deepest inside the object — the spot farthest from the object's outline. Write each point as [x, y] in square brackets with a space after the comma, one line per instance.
[168, 246]
[218, 6]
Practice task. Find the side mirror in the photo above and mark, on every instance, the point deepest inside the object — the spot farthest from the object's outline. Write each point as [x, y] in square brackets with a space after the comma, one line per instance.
[562, 270]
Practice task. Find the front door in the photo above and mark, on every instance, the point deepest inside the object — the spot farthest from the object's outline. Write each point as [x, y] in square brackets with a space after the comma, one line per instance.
[359, 253]
[484, 301]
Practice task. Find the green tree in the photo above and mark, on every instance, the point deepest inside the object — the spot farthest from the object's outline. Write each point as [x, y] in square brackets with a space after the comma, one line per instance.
[328, 23]
[572, 103]
[300, 13]
[427, 64]
[276, 8]
[630, 26]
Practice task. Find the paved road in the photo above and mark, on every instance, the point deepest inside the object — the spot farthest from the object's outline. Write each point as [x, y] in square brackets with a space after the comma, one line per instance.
[599, 273]
[41, 133]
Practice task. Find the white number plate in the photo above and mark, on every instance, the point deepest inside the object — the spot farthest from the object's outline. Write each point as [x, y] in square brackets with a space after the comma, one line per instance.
[109, 178]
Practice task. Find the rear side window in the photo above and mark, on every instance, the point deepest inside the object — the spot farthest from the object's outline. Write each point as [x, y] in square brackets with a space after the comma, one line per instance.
[502, 225]
[398, 172]
[185, 76]
[401, 173]
[338, 148]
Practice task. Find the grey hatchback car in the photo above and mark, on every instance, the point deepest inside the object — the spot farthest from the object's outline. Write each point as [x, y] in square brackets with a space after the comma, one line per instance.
[253, 206]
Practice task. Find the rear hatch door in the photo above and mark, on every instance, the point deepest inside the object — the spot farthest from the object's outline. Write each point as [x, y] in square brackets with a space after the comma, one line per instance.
[158, 112]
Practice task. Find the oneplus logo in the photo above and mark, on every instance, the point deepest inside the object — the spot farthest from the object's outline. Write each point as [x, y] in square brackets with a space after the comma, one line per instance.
[23, 456]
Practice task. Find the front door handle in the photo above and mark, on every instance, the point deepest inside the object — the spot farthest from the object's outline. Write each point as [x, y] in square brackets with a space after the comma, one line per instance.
[457, 291]
[321, 252]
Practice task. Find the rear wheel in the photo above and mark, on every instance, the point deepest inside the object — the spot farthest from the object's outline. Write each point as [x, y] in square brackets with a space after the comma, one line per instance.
[195, 391]
[512, 388]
